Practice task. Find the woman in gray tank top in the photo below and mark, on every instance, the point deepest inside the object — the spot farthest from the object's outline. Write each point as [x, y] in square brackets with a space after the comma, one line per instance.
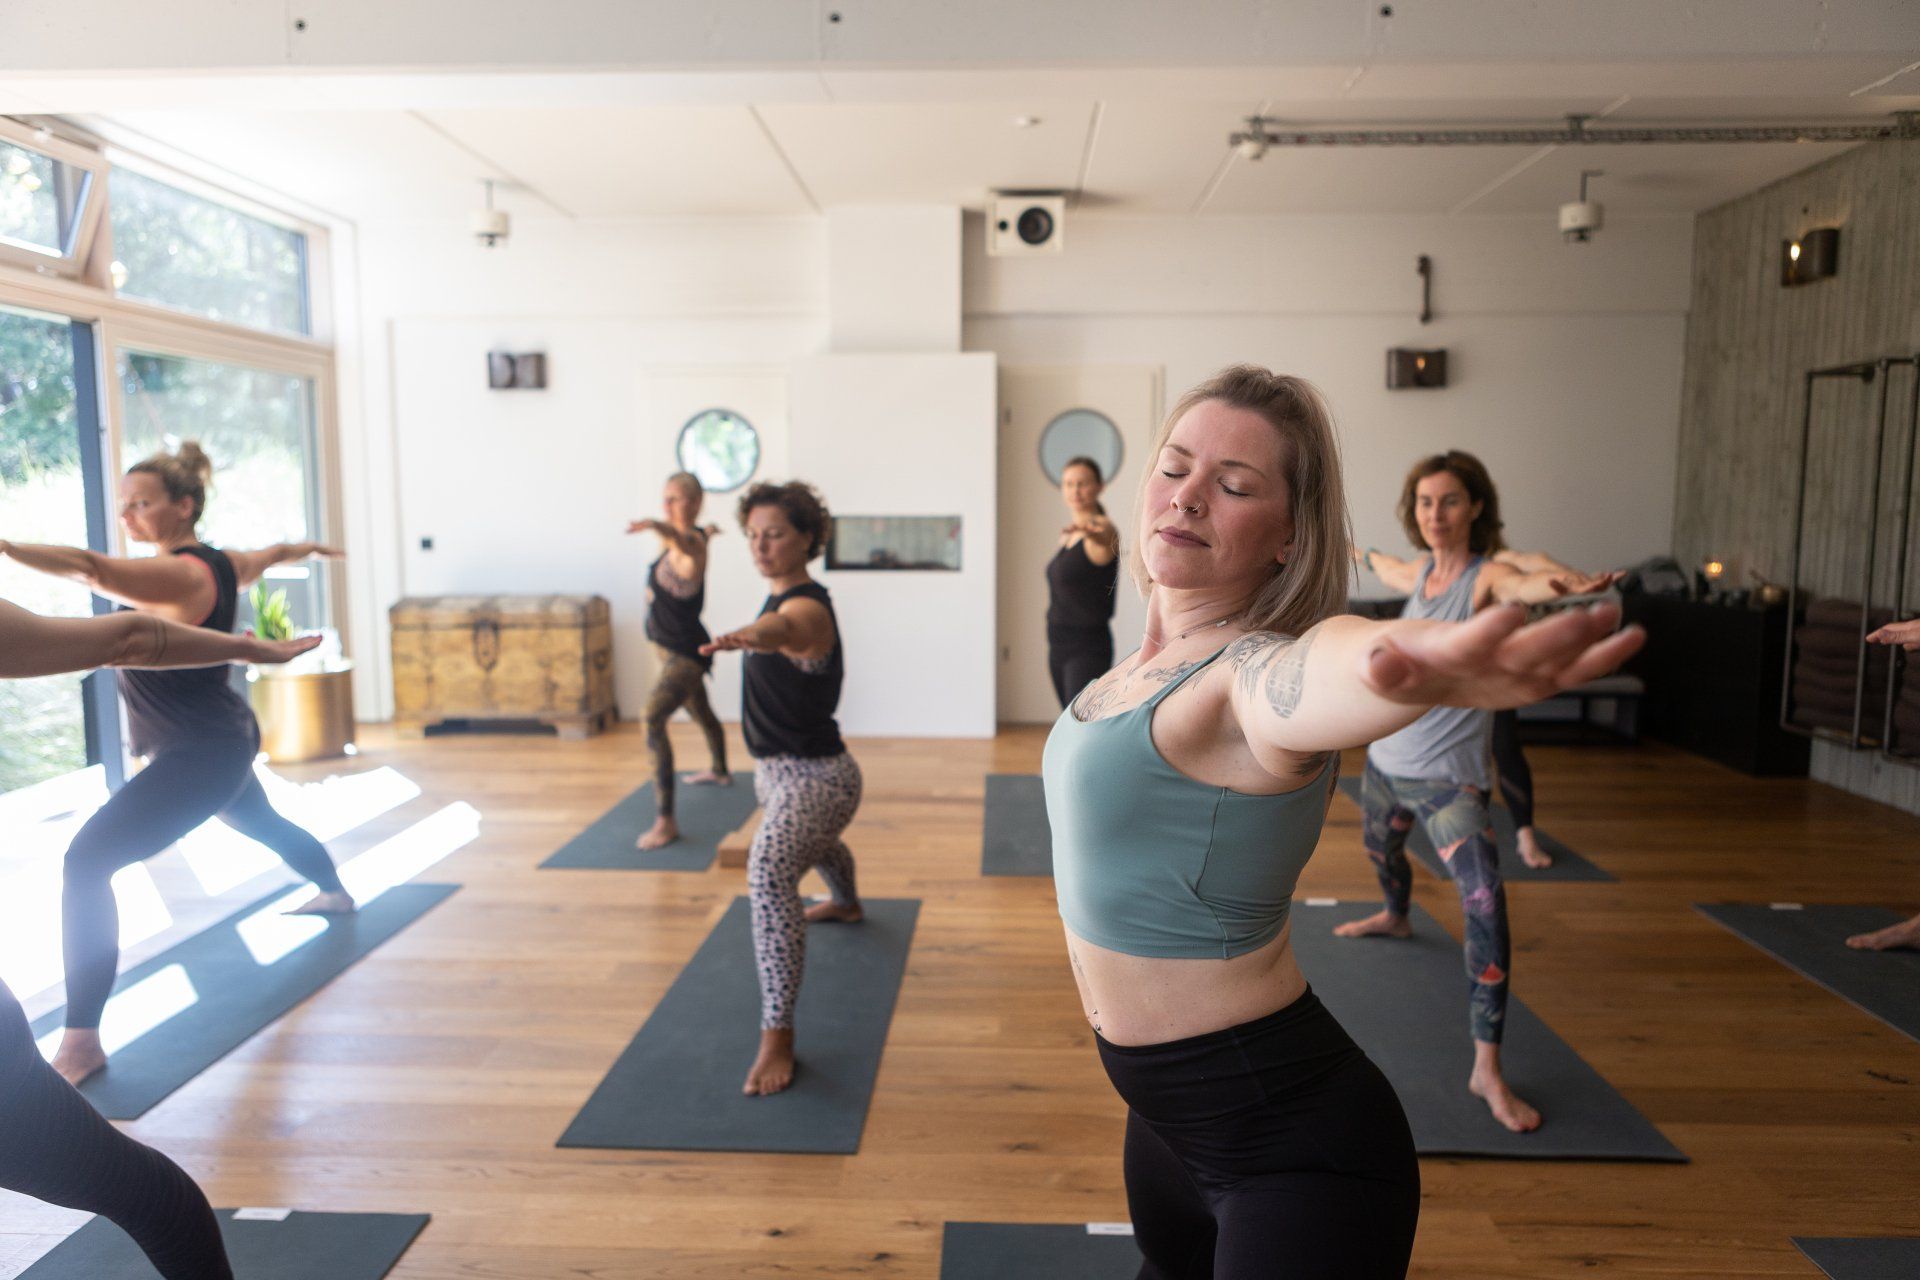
[1435, 770]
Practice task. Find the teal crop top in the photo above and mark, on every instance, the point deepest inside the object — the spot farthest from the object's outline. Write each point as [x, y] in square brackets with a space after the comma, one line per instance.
[1149, 862]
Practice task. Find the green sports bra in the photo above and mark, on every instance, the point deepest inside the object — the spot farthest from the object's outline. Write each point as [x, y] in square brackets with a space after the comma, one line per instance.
[1149, 862]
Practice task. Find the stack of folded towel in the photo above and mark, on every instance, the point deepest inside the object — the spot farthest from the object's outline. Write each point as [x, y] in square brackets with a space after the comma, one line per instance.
[1826, 656]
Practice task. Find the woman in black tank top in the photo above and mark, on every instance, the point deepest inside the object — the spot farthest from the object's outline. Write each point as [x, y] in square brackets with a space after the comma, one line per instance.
[676, 593]
[808, 786]
[1080, 585]
[200, 734]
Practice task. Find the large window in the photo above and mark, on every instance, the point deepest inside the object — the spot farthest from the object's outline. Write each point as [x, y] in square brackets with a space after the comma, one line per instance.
[182, 250]
[48, 204]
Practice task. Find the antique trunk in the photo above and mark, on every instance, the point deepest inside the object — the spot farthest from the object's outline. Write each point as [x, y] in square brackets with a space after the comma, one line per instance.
[503, 658]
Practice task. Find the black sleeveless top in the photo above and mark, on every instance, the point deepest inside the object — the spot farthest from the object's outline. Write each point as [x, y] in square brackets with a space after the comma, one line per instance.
[1080, 592]
[786, 709]
[191, 704]
[673, 622]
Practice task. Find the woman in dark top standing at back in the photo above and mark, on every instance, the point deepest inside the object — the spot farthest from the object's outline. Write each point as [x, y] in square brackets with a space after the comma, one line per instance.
[201, 735]
[809, 787]
[1080, 584]
[676, 593]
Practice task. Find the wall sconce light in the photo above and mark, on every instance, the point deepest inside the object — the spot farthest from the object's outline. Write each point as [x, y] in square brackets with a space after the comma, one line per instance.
[509, 372]
[1409, 368]
[1814, 255]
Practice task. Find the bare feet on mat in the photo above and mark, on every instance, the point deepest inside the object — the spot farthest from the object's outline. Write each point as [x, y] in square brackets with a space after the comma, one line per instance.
[1381, 924]
[773, 1068]
[80, 1055]
[1904, 934]
[664, 831]
[708, 779]
[1530, 851]
[1490, 1086]
[340, 903]
[832, 912]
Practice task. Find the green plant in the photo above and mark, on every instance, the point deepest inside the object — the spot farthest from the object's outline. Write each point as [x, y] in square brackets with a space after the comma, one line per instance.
[271, 620]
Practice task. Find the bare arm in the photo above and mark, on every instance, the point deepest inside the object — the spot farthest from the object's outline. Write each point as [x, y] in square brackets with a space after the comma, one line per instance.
[1503, 584]
[800, 628]
[1348, 681]
[1533, 562]
[1101, 538]
[154, 582]
[31, 645]
[249, 566]
[1398, 574]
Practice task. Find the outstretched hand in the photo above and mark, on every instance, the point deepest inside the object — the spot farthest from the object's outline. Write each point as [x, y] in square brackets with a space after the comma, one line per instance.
[1493, 661]
[1585, 584]
[274, 652]
[729, 641]
[642, 526]
[317, 550]
[1905, 634]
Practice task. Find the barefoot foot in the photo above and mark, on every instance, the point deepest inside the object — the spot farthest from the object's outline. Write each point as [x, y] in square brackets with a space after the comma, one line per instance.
[664, 831]
[711, 778]
[1487, 1084]
[80, 1055]
[339, 903]
[1382, 924]
[1904, 934]
[831, 912]
[773, 1068]
[1530, 851]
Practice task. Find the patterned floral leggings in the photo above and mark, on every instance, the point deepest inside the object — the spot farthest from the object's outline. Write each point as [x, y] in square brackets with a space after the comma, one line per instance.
[681, 683]
[1457, 822]
[805, 805]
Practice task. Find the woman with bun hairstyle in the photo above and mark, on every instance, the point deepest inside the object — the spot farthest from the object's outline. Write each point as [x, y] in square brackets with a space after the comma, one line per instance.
[807, 783]
[199, 733]
[1080, 584]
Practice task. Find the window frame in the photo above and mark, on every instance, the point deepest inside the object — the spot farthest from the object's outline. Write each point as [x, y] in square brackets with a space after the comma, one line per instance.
[72, 264]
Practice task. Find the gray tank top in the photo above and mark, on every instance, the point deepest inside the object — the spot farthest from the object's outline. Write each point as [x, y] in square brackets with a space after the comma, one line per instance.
[1448, 743]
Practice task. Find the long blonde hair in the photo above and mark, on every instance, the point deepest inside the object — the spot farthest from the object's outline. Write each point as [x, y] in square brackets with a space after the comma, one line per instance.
[1312, 584]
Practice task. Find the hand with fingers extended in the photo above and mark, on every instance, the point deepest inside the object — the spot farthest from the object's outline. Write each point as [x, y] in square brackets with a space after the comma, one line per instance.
[1586, 584]
[648, 525]
[275, 652]
[316, 551]
[744, 639]
[1905, 634]
[1496, 660]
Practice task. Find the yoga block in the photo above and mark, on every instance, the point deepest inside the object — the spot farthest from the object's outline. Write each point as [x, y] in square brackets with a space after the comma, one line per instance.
[544, 659]
[733, 849]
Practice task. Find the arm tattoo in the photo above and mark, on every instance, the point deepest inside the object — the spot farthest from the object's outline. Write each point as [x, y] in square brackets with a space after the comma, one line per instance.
[159, 640]
[1272, 666]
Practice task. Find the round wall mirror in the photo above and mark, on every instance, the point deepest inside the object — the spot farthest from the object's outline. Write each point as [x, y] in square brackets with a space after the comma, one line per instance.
[1081, 433]
[721, 448]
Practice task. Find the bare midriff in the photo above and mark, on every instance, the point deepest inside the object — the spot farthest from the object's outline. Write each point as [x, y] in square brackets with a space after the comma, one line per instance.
[1137, 1000]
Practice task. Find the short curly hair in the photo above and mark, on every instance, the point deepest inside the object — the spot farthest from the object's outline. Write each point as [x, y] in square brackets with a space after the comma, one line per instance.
[802, 504]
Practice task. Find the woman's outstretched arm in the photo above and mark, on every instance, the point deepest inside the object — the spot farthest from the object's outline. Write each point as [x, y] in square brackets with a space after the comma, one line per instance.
[31, 645]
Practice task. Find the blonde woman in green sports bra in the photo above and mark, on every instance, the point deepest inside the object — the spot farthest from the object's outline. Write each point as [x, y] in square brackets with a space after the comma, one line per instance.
[1186, 788]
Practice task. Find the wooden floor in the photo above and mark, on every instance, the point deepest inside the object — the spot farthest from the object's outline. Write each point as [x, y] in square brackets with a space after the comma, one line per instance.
[435, 1076]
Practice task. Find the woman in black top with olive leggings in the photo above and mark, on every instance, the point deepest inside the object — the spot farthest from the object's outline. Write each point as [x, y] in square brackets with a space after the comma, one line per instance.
[201, 735]
[809, 787]
[1080, 585]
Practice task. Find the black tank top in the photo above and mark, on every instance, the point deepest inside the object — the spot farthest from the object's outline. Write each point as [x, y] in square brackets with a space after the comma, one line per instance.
[674, 623]
[786, 709]
[193, 703]
[1080, 592]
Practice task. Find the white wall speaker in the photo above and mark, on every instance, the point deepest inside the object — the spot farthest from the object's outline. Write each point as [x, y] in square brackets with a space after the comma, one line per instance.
[1020, 226]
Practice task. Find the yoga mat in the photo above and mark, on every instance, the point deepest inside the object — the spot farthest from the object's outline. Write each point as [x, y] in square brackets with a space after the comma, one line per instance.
[1812, 941]
[677, 1086]
[1032, 1251]
[1016, 839]
[230, 995]
[1567, 867]
[705, 814]
[261, 1243]
[1863, 1258]
[1404, 1000]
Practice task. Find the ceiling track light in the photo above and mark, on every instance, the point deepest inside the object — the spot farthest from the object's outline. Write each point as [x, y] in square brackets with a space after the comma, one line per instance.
[1253, 142]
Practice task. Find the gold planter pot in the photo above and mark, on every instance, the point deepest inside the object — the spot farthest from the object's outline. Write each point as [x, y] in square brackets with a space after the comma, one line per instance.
[305, 716]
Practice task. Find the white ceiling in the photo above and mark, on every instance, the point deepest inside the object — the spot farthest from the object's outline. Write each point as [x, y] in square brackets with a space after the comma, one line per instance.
[1138, 141]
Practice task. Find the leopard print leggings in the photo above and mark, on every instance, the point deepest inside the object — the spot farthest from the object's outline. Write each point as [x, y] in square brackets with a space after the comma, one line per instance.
[805, 805]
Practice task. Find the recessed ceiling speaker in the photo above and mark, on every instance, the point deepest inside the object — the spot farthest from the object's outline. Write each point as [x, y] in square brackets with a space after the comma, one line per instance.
[1409, 368]
[509, 372]
[1815, 255]
[1024, 225]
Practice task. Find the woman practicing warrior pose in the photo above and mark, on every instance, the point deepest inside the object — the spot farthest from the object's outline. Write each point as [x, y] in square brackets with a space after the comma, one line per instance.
[1907, 932]
[676, 592]
[201, 735]
[1513, 772]
[807, 784]
[1080, 582]
[53, 1145]
[1434, 771]
[1187, 787]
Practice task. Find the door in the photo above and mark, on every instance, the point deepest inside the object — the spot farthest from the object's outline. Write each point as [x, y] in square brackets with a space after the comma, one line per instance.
[1032, 513]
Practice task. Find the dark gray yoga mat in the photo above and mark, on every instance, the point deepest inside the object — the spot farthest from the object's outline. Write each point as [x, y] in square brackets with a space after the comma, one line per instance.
[1567, 867]
[1016, 838]
[1864, 1258]
[1034, 1251]
[677, 1086]
[1404, 1000]
[1812, 941]
[705, 814]
[236, 997]
[302, 1246]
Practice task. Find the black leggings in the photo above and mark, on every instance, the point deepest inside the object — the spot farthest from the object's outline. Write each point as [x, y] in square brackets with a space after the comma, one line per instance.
[1076, 657]
[55, 1147]
[1516, 779]
[1274, 1150]
[183, 786]
[682, 682]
